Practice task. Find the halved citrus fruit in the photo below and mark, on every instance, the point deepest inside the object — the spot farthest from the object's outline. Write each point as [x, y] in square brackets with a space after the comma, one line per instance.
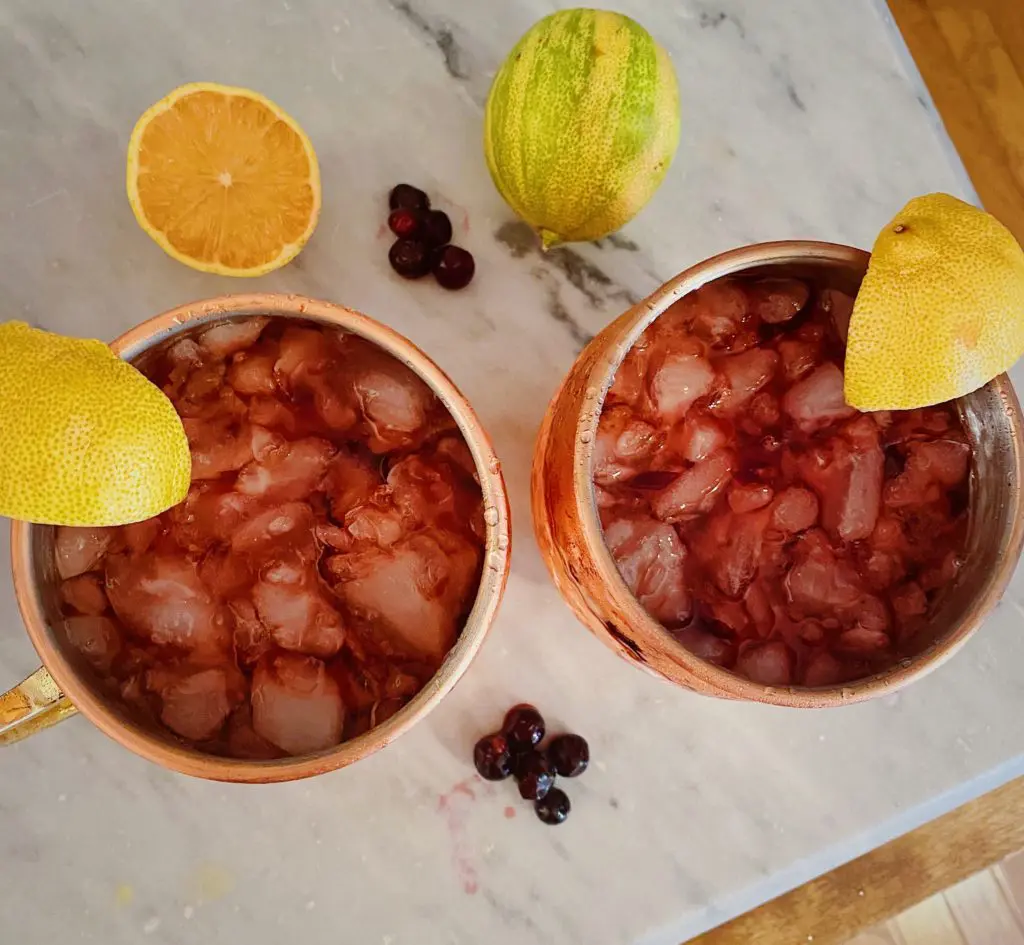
[940, 312]
[223, 179]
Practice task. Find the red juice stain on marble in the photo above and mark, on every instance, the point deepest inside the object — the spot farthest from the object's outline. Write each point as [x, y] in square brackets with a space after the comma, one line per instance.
[454, 806]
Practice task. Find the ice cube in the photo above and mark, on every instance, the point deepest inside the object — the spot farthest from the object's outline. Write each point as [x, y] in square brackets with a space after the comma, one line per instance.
[295, 609]
[651, 557]
[770, 664]
[795, 510]
[707, 646]
[930, 468]
[758, 603]
[84, 593]
[744, 374]
[908, 601]
[696, 490]
[218, 445]
[195, 703]
[242, 740]
[78, 550]
[730, 615]
[225, 574]
[729, 547]
[881, 568]
[852, 510]
[253, 373]
[716, 311]
[819, 583]
[274, 414]
[679, 380]
[202, 388]
[763, 412]
[351, 481]
[431, 491]
[817, 400]
[863, 642]
[161, 598]
[210, 513]
[304, 352]
[698, 437]
[798, 357]
[98, 639]
[296, 705]
[847, 475]
[395, 403]
[335, 404]
[823, 669]
[251, 639]
[225, 339]
[290, 471]
[285, 525]
[749, 496]
[378, 526]
[139, 536]
[777, 300]
[413, 593]
[623, 444]
[454, 450]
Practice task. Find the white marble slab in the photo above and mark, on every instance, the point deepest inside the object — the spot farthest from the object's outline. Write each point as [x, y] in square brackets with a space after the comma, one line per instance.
[800, 120]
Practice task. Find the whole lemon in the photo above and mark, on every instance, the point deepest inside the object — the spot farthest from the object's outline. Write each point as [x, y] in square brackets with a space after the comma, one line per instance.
[582, 122]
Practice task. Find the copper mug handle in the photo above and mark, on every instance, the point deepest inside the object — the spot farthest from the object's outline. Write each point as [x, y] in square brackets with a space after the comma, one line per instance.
[34, 704]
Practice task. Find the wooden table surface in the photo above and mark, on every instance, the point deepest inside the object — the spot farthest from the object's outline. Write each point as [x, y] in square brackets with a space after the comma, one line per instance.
[971, 54]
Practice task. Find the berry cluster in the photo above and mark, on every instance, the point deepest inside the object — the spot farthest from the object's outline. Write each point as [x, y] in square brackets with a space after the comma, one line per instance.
[424, 240]
[516, 750]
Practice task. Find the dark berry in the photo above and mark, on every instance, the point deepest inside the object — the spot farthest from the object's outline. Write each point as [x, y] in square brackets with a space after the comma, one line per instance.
[406, 223]
[523, 727]
[553, 807]
[454, 267]
[405, 195]
[492, 757]
[410, 258]
[520, 757]
[569, 755]
[535, 776]
[437, 228]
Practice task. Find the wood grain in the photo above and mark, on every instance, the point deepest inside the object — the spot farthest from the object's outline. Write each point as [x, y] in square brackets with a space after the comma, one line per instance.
[835, 907]
[928, 923]
[971, 55]
[982, 912]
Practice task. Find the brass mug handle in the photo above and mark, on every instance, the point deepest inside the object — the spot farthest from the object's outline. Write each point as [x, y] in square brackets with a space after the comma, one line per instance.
[34, 704]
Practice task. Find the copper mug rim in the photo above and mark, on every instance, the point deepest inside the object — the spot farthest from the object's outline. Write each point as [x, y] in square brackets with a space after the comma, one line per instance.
[177, 757]
[599, 377]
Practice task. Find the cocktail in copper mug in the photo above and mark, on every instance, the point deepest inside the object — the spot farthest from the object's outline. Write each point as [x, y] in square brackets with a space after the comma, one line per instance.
[572, 542]
[66, 684]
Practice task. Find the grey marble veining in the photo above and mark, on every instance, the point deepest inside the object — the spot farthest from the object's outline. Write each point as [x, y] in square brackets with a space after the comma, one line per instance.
[799, 120]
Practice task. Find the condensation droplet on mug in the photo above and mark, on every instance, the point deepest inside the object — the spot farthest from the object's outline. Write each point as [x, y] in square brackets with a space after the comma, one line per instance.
[586, 437]
[491, 515]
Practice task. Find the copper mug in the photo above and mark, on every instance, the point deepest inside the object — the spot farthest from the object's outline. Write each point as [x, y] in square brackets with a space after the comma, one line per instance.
[572, 543]
[65, 685]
